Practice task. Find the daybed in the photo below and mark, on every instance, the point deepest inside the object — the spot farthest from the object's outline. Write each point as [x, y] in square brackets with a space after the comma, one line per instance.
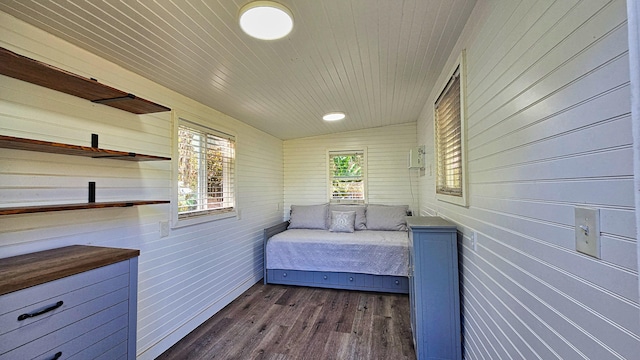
[353, 247]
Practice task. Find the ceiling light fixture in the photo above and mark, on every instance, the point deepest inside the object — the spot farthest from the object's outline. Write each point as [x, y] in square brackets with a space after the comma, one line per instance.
[334, 116]
[266, 20]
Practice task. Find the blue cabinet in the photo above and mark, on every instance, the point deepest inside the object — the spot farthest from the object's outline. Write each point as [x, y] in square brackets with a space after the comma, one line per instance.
[434, 288]
[76, 302]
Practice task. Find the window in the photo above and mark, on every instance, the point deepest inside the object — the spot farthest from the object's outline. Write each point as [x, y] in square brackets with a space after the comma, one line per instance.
[205, 171]
[450, 139]
[347, 176]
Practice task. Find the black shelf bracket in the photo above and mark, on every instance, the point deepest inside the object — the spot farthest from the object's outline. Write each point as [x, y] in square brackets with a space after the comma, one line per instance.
[92, 191]
[115, 99]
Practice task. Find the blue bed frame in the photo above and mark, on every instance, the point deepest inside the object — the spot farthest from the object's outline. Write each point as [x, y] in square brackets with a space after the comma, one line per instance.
[325, 279]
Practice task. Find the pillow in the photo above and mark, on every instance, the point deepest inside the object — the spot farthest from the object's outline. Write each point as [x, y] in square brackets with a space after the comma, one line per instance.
[342, 221]
[308, 217]
[387, 217]
[361, 219]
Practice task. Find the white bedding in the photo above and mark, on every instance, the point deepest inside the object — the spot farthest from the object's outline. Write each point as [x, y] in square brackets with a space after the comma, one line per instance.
[364, 251]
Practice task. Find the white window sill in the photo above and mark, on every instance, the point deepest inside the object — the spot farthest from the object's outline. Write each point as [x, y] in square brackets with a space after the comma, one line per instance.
[203, 219]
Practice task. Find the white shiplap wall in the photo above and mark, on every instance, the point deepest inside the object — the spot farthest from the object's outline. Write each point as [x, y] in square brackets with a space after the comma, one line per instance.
[390, 181]
[549, 129]
[183, 278]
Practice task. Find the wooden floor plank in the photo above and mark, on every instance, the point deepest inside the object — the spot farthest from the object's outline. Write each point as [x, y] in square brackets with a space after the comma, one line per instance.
[274, 335]
[362, 327]
[402, 331]
[277, 322]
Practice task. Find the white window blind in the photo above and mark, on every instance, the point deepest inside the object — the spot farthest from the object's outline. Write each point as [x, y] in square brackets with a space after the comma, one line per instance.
[347, 181]
[206, 171]
[448, 124]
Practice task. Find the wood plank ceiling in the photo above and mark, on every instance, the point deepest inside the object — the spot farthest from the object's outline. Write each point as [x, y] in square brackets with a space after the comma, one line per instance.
[376, 60]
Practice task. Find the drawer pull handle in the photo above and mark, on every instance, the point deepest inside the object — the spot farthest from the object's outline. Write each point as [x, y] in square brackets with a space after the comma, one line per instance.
[57, 355]
[50, 308]
[350, 278]
[325, 277]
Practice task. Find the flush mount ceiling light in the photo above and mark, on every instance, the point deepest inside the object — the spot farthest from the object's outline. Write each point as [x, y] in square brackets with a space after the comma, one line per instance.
[266, 20]
[334, 116]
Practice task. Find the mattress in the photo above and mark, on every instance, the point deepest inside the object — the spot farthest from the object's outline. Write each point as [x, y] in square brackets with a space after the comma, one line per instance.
[364, 251]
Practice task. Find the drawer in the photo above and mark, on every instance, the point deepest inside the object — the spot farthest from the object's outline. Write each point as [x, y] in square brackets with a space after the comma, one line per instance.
[60, 316]
[117, 353]
[397, 282]
[115, 345]
[58, 324]
[29, 296]
[78, 336]
[291, 275]
[327, 278]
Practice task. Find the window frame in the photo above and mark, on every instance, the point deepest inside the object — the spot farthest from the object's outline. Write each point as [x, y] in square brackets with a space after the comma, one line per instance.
[211, 127]
[347, 151]
[462, 199]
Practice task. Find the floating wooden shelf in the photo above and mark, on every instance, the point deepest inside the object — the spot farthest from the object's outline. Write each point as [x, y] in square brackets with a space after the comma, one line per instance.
[83, 206]
[39, 73]
[9, 142]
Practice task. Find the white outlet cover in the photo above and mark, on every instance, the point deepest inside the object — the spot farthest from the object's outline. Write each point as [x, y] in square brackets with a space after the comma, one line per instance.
[587, 229]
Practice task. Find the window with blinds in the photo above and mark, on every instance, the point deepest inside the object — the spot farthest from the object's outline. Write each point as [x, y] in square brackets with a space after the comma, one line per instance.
[347, 176]
[449, 134]
[206, 167]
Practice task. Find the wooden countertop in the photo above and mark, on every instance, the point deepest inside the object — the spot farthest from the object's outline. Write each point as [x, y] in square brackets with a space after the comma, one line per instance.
[23, 271]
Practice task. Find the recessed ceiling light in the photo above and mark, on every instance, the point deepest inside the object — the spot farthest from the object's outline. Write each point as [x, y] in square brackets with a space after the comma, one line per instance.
[266, 20]
[334, 116]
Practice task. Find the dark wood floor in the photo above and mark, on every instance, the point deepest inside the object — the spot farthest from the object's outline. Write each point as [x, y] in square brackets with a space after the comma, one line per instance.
[287, 322]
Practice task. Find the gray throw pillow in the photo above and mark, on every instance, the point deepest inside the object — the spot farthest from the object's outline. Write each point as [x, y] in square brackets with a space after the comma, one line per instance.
[342, 221]
[361, 219]
[387, 217]
[308, 217]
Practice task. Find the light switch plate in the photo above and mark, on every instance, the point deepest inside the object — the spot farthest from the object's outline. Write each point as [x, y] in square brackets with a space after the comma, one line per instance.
[588, 231]
[474, 239]
[164, 229]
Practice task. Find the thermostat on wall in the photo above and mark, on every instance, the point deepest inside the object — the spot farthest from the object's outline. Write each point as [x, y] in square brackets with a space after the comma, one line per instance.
[416, 157]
